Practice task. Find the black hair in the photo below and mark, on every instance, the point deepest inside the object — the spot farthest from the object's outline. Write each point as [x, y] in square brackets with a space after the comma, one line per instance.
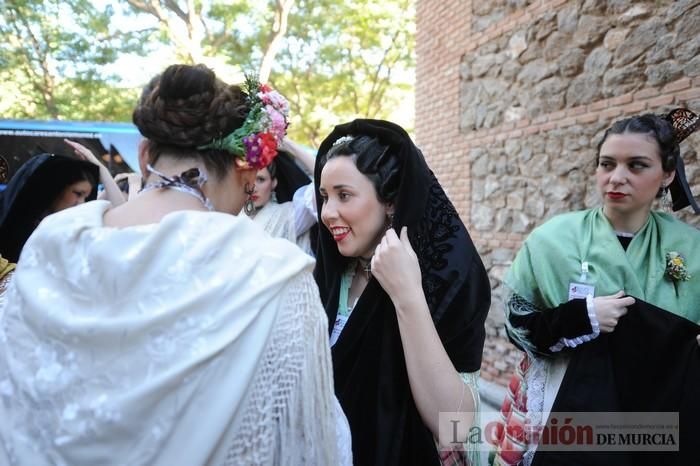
[373, 159]
[656, 127]
[272, 169]
[32, 193]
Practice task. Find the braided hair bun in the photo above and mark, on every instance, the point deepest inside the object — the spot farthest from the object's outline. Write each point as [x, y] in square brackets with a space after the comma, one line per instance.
[188, 106]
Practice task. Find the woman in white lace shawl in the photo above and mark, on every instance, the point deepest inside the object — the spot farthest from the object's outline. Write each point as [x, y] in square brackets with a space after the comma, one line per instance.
[166, 330]
[284, 196]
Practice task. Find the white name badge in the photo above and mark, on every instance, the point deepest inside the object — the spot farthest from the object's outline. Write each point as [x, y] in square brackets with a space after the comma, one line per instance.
[580, 291]
[340, 321]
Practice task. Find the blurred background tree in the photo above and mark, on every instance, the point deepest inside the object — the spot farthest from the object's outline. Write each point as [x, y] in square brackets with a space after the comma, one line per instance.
[52, 59]
[87, 60]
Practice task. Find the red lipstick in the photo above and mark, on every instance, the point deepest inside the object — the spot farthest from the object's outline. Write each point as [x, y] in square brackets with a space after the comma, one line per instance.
[616, 195]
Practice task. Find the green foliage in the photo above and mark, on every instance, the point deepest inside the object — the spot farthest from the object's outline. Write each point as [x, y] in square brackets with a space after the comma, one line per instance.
[339, 60]
[347, 60]
[52, 55]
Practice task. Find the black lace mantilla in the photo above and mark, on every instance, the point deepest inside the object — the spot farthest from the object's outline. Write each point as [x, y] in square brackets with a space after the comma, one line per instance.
[435, 240]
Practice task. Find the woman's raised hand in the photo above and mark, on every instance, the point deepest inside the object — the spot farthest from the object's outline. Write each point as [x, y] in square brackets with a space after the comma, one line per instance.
[609, 309]
[83, 152]
[111, 190]
[395, 266]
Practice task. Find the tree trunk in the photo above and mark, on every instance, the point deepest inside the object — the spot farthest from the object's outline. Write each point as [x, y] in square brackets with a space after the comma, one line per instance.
[279, 29]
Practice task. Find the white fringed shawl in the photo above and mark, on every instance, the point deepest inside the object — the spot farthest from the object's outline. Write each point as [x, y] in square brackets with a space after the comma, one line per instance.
[279, 221]
[194, 341]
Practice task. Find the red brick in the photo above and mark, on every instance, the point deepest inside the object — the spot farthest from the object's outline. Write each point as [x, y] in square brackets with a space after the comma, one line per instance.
[634, 107]
[532, 130]
[600, 105]
[576, 111]
[557, 115]
[611, 113]
[678, 85]
[623, 99]
[646, 93]
[548, 126]
[517, 15]
[587, 118]
[660, 101]
[688, 95]
[566, 122]
[540, 119]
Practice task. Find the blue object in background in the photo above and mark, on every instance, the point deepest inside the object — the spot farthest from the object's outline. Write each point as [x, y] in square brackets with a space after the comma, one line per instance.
[124, 137]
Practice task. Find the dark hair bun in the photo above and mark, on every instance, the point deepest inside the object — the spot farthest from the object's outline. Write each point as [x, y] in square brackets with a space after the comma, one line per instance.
[187, 106]
[183, 82]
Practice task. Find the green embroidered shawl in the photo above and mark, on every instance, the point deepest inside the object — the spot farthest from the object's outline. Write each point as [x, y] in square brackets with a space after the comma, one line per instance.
[551, 258]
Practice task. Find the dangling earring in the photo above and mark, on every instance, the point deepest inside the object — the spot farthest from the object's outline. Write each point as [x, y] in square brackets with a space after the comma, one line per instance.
[273, 197]
[665, 198]
[390, 220]
[249, 206]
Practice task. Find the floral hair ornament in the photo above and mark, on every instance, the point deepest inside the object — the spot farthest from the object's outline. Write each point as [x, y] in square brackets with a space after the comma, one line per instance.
[255, 143]
[684, 123]
[343, 140]
[676, 268]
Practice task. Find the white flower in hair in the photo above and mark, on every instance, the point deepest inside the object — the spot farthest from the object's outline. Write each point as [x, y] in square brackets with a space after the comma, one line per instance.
[343, 140]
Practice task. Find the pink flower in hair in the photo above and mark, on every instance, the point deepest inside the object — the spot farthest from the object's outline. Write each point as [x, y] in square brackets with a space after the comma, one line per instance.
[278, 123]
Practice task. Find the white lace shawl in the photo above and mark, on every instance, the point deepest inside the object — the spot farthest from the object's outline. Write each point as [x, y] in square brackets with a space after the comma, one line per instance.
[280, 221]
[195, 341]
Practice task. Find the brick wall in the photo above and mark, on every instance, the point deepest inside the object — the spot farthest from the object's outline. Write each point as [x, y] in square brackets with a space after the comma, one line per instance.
[513, 95]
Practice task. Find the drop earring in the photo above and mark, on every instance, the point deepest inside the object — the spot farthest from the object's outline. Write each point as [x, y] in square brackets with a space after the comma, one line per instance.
[665, 198]
[249, 206]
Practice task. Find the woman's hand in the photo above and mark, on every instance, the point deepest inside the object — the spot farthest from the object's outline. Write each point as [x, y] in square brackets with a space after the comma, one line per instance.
[83, 152]
[300, 154]
[395, 266]
[111, 190]
[609, 309]
[134, 182]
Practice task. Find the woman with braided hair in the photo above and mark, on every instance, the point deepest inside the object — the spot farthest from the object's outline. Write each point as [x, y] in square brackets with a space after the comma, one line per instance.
[171, 330]
[406, 296]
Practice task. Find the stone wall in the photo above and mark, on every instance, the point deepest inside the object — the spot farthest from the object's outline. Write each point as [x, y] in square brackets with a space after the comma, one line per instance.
[528, 87]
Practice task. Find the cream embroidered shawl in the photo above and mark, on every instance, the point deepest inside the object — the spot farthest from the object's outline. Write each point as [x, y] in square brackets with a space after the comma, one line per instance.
[198, 340]
[278, 221]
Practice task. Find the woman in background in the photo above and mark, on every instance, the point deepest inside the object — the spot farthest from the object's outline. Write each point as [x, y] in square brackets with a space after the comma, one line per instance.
[577, 275]
[283, 197]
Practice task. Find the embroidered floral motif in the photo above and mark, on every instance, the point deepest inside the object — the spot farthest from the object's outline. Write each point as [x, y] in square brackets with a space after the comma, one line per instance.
[436, 237]
[676, 269]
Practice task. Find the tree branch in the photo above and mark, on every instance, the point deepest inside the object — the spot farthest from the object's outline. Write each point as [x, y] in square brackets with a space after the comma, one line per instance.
[175, 8]
[279, 29]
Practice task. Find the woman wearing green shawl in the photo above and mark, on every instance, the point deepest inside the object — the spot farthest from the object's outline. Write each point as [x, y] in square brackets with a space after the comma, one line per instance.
[576, 275]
